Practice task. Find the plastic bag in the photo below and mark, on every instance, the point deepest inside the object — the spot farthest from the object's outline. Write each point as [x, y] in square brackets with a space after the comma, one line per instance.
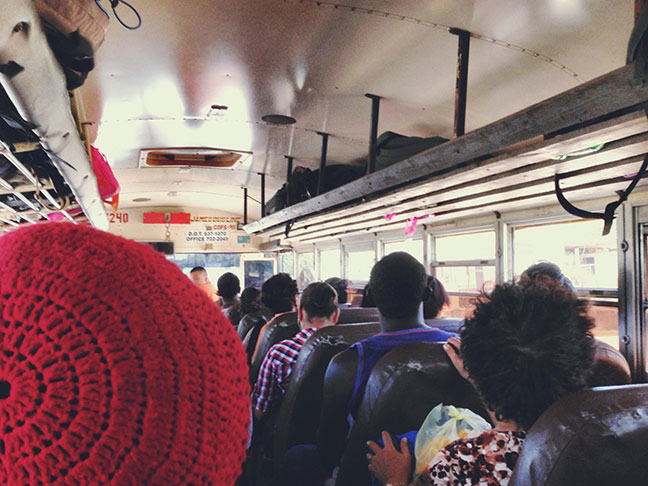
[443, 425]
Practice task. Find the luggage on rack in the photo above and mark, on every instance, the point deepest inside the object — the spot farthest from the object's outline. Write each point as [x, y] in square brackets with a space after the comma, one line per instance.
[393, 147]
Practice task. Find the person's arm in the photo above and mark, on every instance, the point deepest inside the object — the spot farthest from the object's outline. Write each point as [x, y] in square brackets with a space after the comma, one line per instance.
[333, 429]
[388, 465]
[265, 387]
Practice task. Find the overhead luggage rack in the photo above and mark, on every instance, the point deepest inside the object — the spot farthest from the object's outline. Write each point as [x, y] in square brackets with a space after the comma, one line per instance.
[44, 165]
[505, 165]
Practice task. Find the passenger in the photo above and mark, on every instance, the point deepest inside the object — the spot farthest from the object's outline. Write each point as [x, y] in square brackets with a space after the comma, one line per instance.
[317, 309]
[304, 279]
[229, 287]
[253, 311]
[523, 349]
[115, 368]
[279, 295]
[545, 272]
[199, 277]
[438, 297]
[367, 298]
[398, 284]
[340, 285]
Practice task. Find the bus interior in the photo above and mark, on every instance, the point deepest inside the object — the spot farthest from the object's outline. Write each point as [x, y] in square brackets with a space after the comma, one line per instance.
[458, 131]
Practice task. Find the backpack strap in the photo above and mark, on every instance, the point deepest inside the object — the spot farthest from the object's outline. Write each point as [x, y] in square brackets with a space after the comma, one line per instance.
[608, 215]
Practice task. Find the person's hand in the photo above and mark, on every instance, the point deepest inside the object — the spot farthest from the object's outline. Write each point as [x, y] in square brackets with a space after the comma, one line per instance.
[452, 349]
[387, 464]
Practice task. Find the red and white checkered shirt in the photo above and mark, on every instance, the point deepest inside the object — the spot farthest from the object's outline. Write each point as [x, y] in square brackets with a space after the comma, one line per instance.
[276, 368]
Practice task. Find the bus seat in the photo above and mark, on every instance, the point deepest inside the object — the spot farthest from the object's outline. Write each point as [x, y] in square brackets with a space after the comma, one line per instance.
[283, 326]
[296, 421]
[594, 437]
[354, 315]
[610, 367]
[448, 324]
[403, 387]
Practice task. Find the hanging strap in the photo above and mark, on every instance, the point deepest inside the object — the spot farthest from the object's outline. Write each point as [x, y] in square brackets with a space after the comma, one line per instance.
[608, 215]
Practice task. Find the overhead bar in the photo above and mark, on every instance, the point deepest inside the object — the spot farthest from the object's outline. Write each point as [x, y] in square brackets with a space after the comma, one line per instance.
[373, 135]
[262, 194]
[245, 205]
[289, 169]
[320, 179]
[461, 89]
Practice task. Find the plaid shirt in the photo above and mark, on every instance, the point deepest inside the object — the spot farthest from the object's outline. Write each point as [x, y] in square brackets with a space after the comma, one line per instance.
[275, 370]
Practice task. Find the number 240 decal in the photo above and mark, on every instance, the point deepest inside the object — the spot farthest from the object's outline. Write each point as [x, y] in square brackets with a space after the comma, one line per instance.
[119, 217]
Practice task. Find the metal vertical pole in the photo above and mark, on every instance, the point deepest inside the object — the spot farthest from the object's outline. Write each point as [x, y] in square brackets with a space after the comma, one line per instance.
[262, 194]
[373, 135]
[461, 89]
[245, 203]
[290, 166]
[320, 179]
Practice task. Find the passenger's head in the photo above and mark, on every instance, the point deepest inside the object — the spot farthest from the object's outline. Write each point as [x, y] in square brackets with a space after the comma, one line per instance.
[340, 285]
[113, 362]
[545, 272]
[318, 306]
[250, 300]
[279, 292]
[367, 297]
[198, 275]
[526, 347]
[304, 279]
[398, 285]
[228, 285]
[437, 297]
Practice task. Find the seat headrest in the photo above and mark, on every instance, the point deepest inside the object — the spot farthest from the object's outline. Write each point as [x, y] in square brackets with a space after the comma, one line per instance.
[354, 315]
[609, 368]
[594, 437]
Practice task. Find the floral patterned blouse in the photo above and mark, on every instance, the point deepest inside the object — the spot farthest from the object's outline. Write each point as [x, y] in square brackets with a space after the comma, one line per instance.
[486, 460]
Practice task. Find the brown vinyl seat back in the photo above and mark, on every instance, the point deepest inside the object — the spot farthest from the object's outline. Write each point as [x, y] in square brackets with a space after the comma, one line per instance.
[296, 422]
[610, 367]
[448, 324]
[353, 315]
[591, 438]
[403, 387]
[281, 327]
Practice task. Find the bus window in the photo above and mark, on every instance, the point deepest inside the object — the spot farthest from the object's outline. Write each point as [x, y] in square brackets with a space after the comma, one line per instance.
[306, 261]
[287, 263]
[330, 264]
[465, 264]
[257, 272]
[413, 247]
[359, 265]
[216, 264]
[586, 257]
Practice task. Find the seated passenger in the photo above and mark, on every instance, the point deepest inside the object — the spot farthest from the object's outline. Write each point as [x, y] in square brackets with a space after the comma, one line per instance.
[523, 349]
[545, 272]
[367, 298]
[199, 277]
[437, 298]
[252, 310]
[340, 285]
[398, 284]
[317, 309]
[229, 287]
[115, 368]
[279, 295]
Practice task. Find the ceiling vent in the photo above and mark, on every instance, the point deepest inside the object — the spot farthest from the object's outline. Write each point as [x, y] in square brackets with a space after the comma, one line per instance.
[202, 157]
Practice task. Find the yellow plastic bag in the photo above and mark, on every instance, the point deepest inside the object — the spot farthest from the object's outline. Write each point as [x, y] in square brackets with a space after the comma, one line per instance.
[443, 425]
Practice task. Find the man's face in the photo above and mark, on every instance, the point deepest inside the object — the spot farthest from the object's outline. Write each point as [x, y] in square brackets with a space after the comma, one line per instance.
[199, 277]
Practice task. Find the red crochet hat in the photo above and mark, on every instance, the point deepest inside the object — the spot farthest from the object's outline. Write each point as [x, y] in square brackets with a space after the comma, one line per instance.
[114, 368]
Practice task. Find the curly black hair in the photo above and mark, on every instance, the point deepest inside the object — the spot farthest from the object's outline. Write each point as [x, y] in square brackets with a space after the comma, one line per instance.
[278, 293]
[526, 347]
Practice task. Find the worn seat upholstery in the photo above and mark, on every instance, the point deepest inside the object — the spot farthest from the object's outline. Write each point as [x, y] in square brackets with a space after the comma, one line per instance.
[403, 387]
[594, 437]
[283, 326]
[610, 367]
[296, 422]
[354, 315]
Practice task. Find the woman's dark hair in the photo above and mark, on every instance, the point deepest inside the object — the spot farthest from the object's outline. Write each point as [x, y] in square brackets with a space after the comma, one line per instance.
[319, 299]
[228, 285]
[340, 285]
[367, 298]
[539, 273]
[526, 347]
[437, 297]
[250, 300]
[278, 293]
